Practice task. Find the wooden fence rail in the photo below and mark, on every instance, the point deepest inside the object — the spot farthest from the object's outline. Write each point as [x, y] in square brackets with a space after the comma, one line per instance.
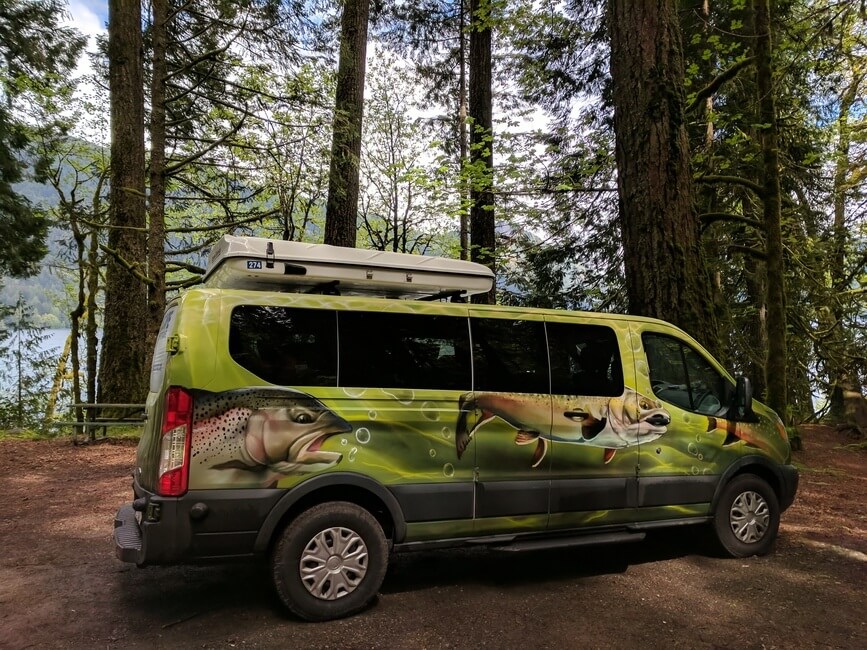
[103, 416]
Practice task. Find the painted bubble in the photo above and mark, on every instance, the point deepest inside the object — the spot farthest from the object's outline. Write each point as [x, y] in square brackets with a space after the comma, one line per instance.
[352, 453]
[700, 456]
[402, 396]
[448, 470]
[446, 433]
[695, 470]
[698, 437]
[362, 435]
[344, 441]
[371, 415]
[430, 411]
[692, 448]
[433, 453]
[354, 392]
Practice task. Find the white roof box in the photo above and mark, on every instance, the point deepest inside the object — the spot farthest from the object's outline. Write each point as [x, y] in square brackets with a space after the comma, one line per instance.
[275, 265]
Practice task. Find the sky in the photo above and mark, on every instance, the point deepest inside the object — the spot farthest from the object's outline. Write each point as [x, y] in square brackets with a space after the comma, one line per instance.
[88, 17]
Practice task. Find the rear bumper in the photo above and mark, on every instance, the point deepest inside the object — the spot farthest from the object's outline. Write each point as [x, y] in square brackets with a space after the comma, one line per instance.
[201, 526]
[127, 535]
[788, 485]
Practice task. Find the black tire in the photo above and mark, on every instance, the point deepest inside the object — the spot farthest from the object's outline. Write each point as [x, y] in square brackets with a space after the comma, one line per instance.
[747, 517]
[314, 530]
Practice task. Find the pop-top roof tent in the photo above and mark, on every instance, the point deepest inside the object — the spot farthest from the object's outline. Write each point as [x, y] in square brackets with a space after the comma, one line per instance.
[275, 265]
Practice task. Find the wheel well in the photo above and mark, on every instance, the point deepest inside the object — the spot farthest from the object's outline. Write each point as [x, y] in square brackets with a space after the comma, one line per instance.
[350, 493]
[763, 473]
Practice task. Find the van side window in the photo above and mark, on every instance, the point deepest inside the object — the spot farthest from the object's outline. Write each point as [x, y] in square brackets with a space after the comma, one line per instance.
[404, 351]
[285, 345]
[509, 356]
[585, 360]
[681, 376]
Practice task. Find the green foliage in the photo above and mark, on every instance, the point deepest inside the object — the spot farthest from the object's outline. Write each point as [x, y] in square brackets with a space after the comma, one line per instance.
[25, 369]
[35, 55]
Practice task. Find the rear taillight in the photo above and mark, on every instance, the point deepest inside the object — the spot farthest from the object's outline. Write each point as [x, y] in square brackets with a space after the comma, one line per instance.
[175, 446]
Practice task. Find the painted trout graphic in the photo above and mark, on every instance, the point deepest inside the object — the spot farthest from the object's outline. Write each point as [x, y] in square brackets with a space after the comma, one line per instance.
[738, 432]
[262, 434]
[611, 423]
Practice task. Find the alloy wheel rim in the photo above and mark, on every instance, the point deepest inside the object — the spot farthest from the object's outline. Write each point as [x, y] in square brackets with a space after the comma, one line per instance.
[749, 517]
[333, 563]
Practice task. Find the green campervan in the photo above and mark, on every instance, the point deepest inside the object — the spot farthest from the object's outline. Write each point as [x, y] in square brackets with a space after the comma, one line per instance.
[321, 407]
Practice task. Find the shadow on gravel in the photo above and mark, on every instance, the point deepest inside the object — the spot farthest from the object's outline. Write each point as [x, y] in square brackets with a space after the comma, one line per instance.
[488, 566]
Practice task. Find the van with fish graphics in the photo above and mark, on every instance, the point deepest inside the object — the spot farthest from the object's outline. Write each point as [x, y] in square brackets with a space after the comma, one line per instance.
[323, 421]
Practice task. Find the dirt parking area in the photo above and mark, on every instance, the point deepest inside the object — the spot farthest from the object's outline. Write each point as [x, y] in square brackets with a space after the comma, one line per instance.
[61, 586]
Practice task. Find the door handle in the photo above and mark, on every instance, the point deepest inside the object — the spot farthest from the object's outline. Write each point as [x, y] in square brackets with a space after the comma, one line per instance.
[576, 415]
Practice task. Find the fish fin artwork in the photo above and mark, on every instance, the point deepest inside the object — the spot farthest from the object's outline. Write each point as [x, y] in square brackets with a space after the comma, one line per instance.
[257, 436]
[736, 432]
[609, 423]
[528, 438]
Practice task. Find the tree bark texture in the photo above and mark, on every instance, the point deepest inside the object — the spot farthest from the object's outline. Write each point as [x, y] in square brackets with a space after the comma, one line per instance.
[462, 131]
[341, 210]
[157, 195]
[775, 368]
[122, 362]
[841, 376]
[665, 271]
[481, 120]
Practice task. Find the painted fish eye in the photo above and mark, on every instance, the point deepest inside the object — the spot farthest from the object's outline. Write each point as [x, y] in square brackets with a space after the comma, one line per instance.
[302, 418]
[645, 405]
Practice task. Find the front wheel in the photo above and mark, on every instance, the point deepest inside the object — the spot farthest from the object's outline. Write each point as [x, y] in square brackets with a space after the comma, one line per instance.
[330, 561]
[747, 517]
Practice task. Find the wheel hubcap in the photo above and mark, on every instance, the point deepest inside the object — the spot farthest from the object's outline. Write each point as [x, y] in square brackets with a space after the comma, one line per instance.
[333, 563]
[749, 517]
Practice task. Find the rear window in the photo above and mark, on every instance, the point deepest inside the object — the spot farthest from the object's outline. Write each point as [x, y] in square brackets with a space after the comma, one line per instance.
[285, 345]
[161, 354]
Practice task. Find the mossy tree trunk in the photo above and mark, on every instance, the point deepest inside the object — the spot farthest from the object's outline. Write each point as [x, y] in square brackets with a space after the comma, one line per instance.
[341, 210]
[665, 272]
[124, 353]
[157, 194]
[775, 286]
[481, 120]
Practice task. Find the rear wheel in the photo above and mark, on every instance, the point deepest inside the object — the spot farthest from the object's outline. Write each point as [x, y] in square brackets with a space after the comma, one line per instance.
[330, 561]
[747, 517]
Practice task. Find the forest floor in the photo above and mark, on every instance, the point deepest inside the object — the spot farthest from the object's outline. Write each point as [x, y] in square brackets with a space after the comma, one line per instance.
[61, 586]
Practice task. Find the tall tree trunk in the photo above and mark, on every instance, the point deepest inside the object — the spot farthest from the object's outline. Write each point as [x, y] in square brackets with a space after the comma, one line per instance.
[481, 118]
[665, 271]
[122, 363]
[840, 376]
[157, 196]
[341, 210]
[462, 133]
[776, 287]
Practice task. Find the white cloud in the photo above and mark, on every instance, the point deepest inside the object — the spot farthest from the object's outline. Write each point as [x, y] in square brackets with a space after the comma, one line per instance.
[88, 17]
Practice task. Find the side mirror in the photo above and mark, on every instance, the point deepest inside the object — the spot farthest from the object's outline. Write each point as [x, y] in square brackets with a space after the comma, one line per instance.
[742, 409]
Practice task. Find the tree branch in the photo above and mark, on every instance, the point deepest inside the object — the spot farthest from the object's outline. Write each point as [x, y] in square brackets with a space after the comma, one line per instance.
[711, 217]
[719, 80]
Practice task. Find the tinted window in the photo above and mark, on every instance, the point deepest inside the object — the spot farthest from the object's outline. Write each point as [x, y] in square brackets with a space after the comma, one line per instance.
[681, 376]
[585, 360]
[509, 356]
[404, 351]
[287, 346]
